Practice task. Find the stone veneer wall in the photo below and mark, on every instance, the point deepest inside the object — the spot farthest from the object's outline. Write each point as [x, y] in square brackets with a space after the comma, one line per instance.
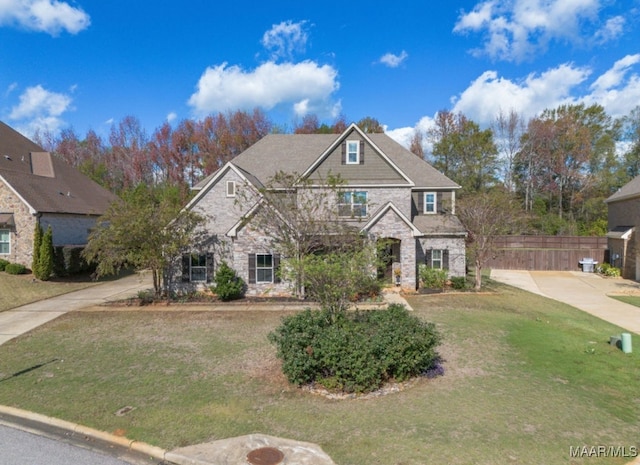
[22, 234]
[390, 226]
[249, 241]
[455, 246]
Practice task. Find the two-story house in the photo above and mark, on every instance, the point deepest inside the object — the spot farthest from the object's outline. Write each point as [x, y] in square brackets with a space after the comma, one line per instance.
[392, 193]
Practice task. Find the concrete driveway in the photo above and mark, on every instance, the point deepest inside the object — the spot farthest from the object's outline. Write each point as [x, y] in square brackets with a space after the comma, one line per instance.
[22, 319]
[587, 291]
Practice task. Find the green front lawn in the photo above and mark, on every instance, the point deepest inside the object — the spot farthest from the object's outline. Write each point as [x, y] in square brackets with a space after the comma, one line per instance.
[628, 299]
[526, 379]
[17, 290]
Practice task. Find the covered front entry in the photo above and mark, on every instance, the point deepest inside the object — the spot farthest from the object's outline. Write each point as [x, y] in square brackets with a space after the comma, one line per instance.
[389, 248]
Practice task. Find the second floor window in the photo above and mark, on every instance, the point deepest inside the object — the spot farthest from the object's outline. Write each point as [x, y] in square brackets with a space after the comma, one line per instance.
[353, 152]
[231, 188]
[352, 204]
[430, 202]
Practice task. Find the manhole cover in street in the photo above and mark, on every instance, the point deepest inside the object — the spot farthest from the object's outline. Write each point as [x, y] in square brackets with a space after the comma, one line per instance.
[265, 456]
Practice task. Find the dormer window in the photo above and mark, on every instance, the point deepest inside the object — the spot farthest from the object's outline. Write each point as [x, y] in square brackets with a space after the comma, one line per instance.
[231, 188]
[430, 203]
[353, 152]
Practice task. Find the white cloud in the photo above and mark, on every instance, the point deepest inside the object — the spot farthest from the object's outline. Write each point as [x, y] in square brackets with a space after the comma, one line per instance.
[50, 16]
[37, 101]
[515, 30]
[614, 91]
[489, 93]
[13, 86]
[172, 116]
[285, 39]
[41, 109]
[393, 61]
[617, 90]
[306, 86]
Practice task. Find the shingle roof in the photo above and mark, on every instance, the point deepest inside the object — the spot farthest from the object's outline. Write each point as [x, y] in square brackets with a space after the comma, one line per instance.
[295, 153]
[59, 188]
[439, 225]
[629, 190]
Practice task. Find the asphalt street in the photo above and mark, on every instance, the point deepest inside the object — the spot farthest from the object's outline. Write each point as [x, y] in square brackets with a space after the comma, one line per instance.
[18, 447]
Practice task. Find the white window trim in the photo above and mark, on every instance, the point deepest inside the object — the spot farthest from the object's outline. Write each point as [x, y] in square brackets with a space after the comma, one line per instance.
[258, 281]
[357, 160]
[352, 203]
[8, 242]
[231, 189]
[435, 203]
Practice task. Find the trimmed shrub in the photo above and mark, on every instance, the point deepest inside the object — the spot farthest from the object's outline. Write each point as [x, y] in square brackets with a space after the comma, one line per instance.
[355, 352]
[229, 286]
[432, 278]
[68, 260]
[15, 268]
[3, 264]
[459, 283]
[609, 271]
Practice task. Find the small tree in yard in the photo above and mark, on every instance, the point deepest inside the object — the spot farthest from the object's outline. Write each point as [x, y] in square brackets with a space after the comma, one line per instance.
[486, 216]
[146, 229]
[300, 219]
[229, 285]
[335, 279]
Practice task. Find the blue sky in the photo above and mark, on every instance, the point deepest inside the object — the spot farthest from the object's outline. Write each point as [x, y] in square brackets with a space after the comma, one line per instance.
[89, 63]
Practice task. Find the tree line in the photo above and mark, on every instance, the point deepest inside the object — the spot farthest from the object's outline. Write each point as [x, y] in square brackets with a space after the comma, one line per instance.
[558, 166]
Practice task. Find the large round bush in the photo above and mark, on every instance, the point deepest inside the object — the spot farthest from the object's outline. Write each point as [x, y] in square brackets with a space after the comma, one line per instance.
[355, 352]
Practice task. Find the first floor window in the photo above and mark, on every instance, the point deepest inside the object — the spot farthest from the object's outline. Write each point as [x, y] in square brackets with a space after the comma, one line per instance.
[197, 267]
[263, 268]
[5, 241]
[353, 204]
[437, 259]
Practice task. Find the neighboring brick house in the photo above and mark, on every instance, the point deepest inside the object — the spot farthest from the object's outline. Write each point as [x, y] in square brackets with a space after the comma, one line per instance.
[38, 187]
[394, 195]
[623, 222]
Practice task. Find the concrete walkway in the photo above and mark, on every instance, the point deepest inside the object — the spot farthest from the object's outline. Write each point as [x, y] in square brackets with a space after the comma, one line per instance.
[20, 320]
[587, 291]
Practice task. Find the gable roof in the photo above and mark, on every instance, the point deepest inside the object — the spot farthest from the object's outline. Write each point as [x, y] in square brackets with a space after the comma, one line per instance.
[415, 232]
[628, 191]
[348, 133]
[45, 183]
[300, 153]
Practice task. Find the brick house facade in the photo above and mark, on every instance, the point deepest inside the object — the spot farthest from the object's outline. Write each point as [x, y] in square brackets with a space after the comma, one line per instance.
[394, 195]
